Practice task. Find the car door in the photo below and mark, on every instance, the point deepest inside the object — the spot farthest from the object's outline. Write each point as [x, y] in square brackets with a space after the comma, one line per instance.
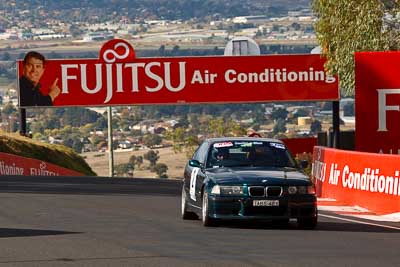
[197, 175]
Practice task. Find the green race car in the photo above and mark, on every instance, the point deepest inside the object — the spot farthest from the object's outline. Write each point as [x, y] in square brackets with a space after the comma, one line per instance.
[247, 178]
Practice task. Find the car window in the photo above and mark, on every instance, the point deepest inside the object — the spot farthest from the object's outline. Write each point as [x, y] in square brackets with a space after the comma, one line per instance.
[201, 152]
[249, 153]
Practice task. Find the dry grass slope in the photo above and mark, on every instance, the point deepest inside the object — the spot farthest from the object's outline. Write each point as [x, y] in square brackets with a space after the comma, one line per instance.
[98, 161]
[55, 154]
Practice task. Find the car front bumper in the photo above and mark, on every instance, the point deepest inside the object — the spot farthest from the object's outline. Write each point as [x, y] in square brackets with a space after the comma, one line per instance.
[232, 208]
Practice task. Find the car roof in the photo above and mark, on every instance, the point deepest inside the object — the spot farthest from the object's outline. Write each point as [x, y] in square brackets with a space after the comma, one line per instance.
[249, 139]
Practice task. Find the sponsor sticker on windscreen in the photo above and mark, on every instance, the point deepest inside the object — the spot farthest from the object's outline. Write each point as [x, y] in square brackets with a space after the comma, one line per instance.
[223, 144]
[244, 144]
[277, 145]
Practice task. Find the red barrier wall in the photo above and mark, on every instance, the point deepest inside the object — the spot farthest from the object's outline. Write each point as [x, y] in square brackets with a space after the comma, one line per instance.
[16, 165]
[300, 145]
[369, 180]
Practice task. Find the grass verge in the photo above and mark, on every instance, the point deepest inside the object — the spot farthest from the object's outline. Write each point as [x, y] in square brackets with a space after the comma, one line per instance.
[55, 154]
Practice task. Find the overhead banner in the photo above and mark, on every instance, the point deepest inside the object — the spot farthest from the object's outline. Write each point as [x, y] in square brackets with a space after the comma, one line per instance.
[117, 77]
[377, 102]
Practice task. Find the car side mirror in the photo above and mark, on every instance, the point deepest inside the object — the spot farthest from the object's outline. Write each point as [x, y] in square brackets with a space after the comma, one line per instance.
[304, 164]
[195, 163]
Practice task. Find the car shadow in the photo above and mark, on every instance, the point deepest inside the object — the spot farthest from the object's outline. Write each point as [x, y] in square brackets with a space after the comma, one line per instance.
[322, 226]
[15, 232]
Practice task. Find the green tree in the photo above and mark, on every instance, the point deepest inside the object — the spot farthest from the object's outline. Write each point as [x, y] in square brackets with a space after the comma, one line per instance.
[280, 126]
[279, 113]
[194, 121]
[151, 140]
[235, 129]
[191, 144]
[9, 109]
[175, 51]
[68, 142]
[161, 170]
[77, 145]
[75, 30]
[344, 27]
[132, 160]
[183, 141]
[101, 123]
[217, 127]
[139, 161]
[177, 136]
[124, 169]
[315, 127]
[136, 160]
[161, 51]
[296, 26]
[152, 156]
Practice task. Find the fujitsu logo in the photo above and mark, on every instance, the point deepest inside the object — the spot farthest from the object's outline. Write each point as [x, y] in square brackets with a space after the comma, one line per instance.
[114, 65]
[383, 107]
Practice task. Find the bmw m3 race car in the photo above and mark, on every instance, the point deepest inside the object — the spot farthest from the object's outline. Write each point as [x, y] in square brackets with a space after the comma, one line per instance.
[247, 178]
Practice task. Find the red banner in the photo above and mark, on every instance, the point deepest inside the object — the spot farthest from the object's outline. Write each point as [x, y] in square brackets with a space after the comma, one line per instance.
[378, 102]
[16, 165]
[119, 78]
[368, 180]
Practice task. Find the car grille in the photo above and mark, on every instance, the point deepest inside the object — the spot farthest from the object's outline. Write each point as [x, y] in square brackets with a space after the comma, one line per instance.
[261, 191]
[274, 191]
[257, 191]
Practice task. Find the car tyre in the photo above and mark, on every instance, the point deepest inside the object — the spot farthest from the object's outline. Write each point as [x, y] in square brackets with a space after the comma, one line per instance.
[206, 219]
[307, 223]
[186, 215]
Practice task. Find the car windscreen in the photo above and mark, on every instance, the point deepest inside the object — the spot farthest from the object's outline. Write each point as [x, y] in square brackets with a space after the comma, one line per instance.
[249, 153]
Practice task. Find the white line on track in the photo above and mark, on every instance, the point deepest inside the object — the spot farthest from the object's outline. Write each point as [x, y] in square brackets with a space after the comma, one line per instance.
[361, 222]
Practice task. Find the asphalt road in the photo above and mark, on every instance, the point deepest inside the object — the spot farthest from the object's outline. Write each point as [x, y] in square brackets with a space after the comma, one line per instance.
[119, 222]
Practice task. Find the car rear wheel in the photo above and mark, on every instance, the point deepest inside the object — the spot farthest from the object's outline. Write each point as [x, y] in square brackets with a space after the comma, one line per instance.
[307, 223]
[186, 215]
[206, 219]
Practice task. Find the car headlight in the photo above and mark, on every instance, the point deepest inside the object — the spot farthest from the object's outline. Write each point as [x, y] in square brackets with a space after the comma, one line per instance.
[227, 190]
[216, 190]
[292, 190]
[301, 190]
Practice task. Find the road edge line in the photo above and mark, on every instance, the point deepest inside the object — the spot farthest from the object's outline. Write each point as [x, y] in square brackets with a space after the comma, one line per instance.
[361, 222]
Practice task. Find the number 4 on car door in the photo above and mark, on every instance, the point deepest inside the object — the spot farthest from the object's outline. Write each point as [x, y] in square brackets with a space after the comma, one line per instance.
[193, 178]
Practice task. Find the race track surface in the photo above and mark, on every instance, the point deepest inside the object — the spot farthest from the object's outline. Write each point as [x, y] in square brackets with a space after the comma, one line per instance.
[67, 221]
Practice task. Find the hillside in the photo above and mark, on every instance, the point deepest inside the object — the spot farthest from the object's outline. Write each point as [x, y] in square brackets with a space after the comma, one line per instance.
[55, 154]
[97, 10]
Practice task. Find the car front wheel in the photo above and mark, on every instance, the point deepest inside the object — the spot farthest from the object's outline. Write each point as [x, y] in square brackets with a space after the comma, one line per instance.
[206, 219]
[186, 215]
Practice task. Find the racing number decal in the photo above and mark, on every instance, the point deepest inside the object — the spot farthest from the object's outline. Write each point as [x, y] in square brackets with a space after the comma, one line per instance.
[193, 178]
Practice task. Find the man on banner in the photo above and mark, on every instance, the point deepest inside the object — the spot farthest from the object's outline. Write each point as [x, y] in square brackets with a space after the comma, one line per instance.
[29, 86]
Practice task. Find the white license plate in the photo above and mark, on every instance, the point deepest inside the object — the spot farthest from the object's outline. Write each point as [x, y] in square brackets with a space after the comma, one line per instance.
[265, 203]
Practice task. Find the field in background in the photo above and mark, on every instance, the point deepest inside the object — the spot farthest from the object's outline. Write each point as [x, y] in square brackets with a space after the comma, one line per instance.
[98, 161]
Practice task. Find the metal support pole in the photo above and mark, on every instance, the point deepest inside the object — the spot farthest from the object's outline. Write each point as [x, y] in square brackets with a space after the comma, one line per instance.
[336, 124]
[22, 121]
[110, 143]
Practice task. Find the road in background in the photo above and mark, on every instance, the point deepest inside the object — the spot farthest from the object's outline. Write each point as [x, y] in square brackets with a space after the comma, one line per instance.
[53, 221]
